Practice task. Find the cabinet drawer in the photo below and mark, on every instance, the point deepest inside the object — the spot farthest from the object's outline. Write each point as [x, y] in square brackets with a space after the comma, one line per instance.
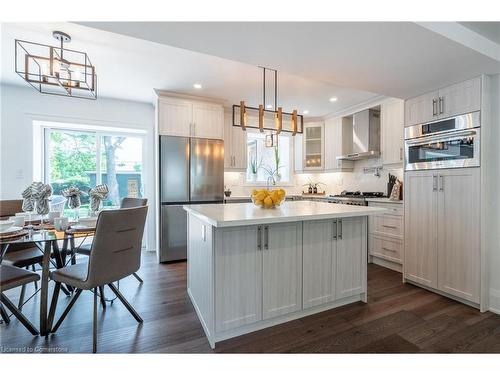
[386, 225]
[386, 248]
[392, 208]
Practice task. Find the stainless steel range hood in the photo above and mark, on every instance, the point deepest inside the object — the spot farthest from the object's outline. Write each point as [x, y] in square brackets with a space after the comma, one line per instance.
[365, 136]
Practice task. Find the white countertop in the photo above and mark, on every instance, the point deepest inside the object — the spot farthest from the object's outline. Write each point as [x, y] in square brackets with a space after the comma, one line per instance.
[383, 200]
[238, 214]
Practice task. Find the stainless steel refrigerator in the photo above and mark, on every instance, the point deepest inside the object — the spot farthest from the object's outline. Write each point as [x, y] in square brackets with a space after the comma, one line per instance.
[191, 172]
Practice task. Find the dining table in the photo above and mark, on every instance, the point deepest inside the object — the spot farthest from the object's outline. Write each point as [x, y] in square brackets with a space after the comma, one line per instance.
[47, 241]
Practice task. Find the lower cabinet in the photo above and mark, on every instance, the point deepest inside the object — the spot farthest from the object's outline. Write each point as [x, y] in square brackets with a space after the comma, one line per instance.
[282, 269]
[238, 277]
[351, 257]
[334, 256]
[442, 231]
[267, 271]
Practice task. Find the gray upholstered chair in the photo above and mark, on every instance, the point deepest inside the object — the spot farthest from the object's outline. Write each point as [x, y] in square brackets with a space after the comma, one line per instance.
[12, 277]
[115, 254]
[126, 203]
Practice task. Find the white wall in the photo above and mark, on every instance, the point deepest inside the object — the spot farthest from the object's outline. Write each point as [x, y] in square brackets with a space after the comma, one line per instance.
[20, 106]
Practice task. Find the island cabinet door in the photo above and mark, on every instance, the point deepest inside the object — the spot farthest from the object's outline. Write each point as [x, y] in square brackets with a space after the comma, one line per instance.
[282, 269]
[238, 277]
[351, 257]
[319, 253]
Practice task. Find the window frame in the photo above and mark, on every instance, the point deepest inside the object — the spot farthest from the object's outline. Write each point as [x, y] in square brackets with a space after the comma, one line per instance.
[290, 164]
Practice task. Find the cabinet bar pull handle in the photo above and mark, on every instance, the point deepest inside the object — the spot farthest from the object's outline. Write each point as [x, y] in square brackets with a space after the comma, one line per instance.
[434, 109]
[434, 183]
[441, 105]
[266, 237]
[335, 229]
[389, 226]
[401, 153]
[441, 185]
[259, 238]
[339, 234]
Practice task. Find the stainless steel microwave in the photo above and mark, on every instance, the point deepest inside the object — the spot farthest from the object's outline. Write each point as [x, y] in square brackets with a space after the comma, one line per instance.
[448, 143]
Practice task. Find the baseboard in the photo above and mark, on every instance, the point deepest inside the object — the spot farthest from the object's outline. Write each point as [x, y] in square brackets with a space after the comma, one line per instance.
[387, 264]
[494, 301]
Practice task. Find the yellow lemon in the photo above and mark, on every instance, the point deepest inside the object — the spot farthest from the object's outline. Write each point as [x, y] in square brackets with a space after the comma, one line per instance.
[258, 202]
[268, 202]
[260, 196]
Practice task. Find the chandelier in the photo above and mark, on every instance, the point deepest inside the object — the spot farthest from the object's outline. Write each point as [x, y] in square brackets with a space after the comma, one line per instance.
[259, 117]
[56, 70]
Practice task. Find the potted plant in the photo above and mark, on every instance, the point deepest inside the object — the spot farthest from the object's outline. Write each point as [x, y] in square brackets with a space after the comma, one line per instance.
[277, 164]
[254, 168]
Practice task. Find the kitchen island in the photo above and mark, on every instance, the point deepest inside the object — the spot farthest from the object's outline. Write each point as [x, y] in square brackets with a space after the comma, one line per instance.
[250, 268]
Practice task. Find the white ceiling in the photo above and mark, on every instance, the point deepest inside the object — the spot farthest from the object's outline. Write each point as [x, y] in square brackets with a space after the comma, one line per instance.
[490, 30]
[400, 59]
[130, 68]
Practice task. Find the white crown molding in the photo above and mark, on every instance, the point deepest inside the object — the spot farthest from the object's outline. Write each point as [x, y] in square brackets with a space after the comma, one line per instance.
[179, 95]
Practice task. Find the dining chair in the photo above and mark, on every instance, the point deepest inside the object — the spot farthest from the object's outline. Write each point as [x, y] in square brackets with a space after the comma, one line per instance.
[25, 255]
[12, 277]
[126, 203]
[115, 254]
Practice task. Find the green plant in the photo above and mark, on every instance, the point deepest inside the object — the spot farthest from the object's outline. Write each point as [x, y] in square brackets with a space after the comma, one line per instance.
[254, 167]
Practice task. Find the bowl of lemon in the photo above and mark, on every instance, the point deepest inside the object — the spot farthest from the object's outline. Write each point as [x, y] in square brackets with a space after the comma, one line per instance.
[268, 198]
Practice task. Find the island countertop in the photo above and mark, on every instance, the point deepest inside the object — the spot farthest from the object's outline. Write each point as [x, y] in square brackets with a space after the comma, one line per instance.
[238, 214]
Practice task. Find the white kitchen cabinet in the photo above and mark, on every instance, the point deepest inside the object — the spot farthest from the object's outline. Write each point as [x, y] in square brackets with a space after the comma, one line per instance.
[313, 146]
[174, 117]
[235, 146]
[282, 269]
[442, 231]
[351, 257]
[460, 98]
[392, 128]
[453, 100]
[421, 227]
[208, 120]
[298, 153]
[459, 254]
[338, 141]
[319, 259]
[190, 118]
[238, 278]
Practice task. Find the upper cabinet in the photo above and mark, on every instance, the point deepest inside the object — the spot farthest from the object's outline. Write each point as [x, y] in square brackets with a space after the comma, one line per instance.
[446, 102]
[338, 141]
[235, 147]
[313, 146]
[392, 125]
[190, 118]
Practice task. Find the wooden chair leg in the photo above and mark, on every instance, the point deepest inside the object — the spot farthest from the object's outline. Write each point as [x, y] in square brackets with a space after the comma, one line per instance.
[19, 315]
[21, 298]
[137, 277]
[94, 324]
[67, 309]
[101, 295]
[34, 270]
[125, 302]
[4, 314]
[53, 305]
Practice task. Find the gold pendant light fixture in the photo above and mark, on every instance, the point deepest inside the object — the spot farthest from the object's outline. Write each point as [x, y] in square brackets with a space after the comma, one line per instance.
[56, 70]
[293, 121]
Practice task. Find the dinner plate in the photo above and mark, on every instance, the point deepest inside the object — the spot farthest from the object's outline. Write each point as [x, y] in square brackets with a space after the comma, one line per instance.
[11, 230]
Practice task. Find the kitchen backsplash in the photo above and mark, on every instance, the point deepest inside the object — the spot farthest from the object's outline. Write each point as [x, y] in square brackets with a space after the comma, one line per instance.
[335, 181]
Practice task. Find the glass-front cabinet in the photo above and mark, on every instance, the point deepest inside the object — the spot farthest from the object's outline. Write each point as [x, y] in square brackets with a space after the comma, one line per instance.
[313, 148]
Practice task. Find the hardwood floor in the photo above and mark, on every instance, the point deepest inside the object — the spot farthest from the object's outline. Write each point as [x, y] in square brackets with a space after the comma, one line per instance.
[398, 318]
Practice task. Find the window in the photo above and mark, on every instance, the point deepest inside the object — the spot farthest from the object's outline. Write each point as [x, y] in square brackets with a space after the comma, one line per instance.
[268, 164]
[86, 159]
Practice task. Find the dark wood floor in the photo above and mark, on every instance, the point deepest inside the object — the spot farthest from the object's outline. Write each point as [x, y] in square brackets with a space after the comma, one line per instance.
[398, 318]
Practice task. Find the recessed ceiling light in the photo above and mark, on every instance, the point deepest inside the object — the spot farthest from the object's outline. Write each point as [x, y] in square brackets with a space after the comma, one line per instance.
[197, 86]
[305, 112]
[269, 106]
[333, 99]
